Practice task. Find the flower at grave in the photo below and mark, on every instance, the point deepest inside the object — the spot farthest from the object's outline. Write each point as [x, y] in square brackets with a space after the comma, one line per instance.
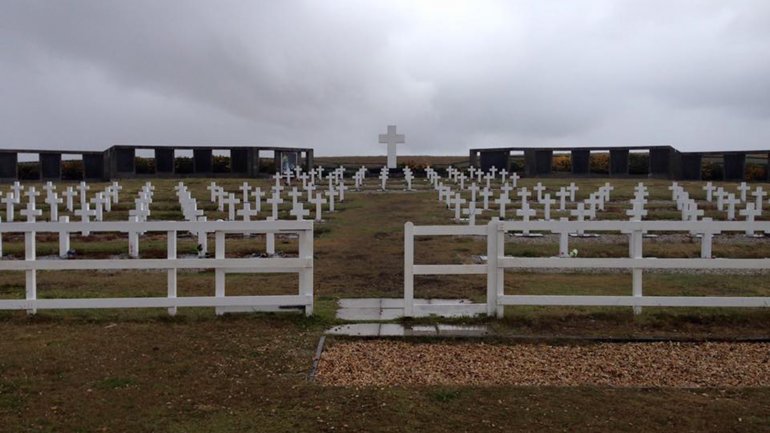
[573, 253]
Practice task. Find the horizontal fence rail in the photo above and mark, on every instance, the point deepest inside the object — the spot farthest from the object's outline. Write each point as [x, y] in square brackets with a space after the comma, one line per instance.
[301, 265]
[498, 262]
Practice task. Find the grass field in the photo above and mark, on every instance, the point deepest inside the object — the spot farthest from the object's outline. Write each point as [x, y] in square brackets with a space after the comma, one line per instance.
[142, 371]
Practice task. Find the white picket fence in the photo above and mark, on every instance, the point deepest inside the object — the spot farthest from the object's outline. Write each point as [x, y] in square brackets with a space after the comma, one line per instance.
[497, 262]
[301, 265]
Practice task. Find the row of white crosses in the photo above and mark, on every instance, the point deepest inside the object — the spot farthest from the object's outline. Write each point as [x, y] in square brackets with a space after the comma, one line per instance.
[102, 200]
[191, 212]
[478, 176]
[637, 211]
[139, 214]
[251, 199]
[727, 201]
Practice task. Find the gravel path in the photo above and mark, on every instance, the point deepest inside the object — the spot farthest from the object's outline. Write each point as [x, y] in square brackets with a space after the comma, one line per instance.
[668, 365]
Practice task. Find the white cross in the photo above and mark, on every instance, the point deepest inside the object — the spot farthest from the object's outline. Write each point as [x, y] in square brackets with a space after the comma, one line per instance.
[83, 190]
[408, 177]
[213, 189]
[759, 199]
[721, 196]
[562, 194]
[692, 212]
[462, 178]
[295, 195]
[580, 213]
[750, 213]
[275, 200]
[539, 188]
[69, 193]
[743, 188]
[331, 194]
[526, 212]
[98, 202]
[547, 203]
[473, 189]
[31, 194]
[53, 201]
[49, 189]
[515, 178]
[731, 202]
[17, 191]
[637, 211]
[10, 201]
[257, 194]
[288, 175]
[592, 201]
[486, 193]
[85, 214]
[458, 201]
[488, 178]
[277, 177]
[310, 189]
[572, 190]
[299, 211]
[31, 212]
[608, 188]
[471, 211]
[231, 201]
[709, 188]
[503, 175]
[384, 178]
[246, 212]
[318, 201]
[303, 177]
[116, 188]
[502, 201]
[220, 197]
[245, 189]
[472, 171]
[391, 138]
[341, 188]
[524, 195]
[108, 194]
[493, 171]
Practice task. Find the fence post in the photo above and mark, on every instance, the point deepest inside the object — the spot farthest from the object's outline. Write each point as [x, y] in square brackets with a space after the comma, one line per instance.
[564, 242]
[1, 240]
[30, 274]
[635, 252]
[270, 240]
[171, 256]
[492, 272]
[133, 244]
[203, 240]
[409, 269]
[707, 238]
[219, 273]
[306, 275]
[64, 237]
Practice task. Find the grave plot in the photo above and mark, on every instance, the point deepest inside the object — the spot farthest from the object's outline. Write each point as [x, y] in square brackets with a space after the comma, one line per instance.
[640, 365]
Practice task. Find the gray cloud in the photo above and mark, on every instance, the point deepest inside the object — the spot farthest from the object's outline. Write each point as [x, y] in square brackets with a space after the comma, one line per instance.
[88, 74]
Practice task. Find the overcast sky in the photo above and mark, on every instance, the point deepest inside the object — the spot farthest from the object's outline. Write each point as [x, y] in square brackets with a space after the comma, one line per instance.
[332, 74]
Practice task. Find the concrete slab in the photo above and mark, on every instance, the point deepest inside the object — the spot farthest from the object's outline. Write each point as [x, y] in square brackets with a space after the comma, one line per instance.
[399, 330]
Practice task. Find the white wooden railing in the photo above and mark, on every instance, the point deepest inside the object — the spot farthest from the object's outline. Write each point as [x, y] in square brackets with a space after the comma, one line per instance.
[301, 265]
[498, 262]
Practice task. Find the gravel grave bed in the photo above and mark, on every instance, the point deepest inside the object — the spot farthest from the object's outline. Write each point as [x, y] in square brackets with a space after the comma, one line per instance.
[642, 365]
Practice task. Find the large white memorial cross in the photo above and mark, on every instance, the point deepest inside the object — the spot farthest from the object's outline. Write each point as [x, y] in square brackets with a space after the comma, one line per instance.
[391, 138]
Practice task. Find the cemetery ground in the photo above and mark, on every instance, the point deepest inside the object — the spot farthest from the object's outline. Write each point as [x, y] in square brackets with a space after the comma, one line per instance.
[141, 370]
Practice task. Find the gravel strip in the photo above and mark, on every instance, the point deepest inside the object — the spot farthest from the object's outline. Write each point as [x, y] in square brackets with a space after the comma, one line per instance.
[666, 365]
